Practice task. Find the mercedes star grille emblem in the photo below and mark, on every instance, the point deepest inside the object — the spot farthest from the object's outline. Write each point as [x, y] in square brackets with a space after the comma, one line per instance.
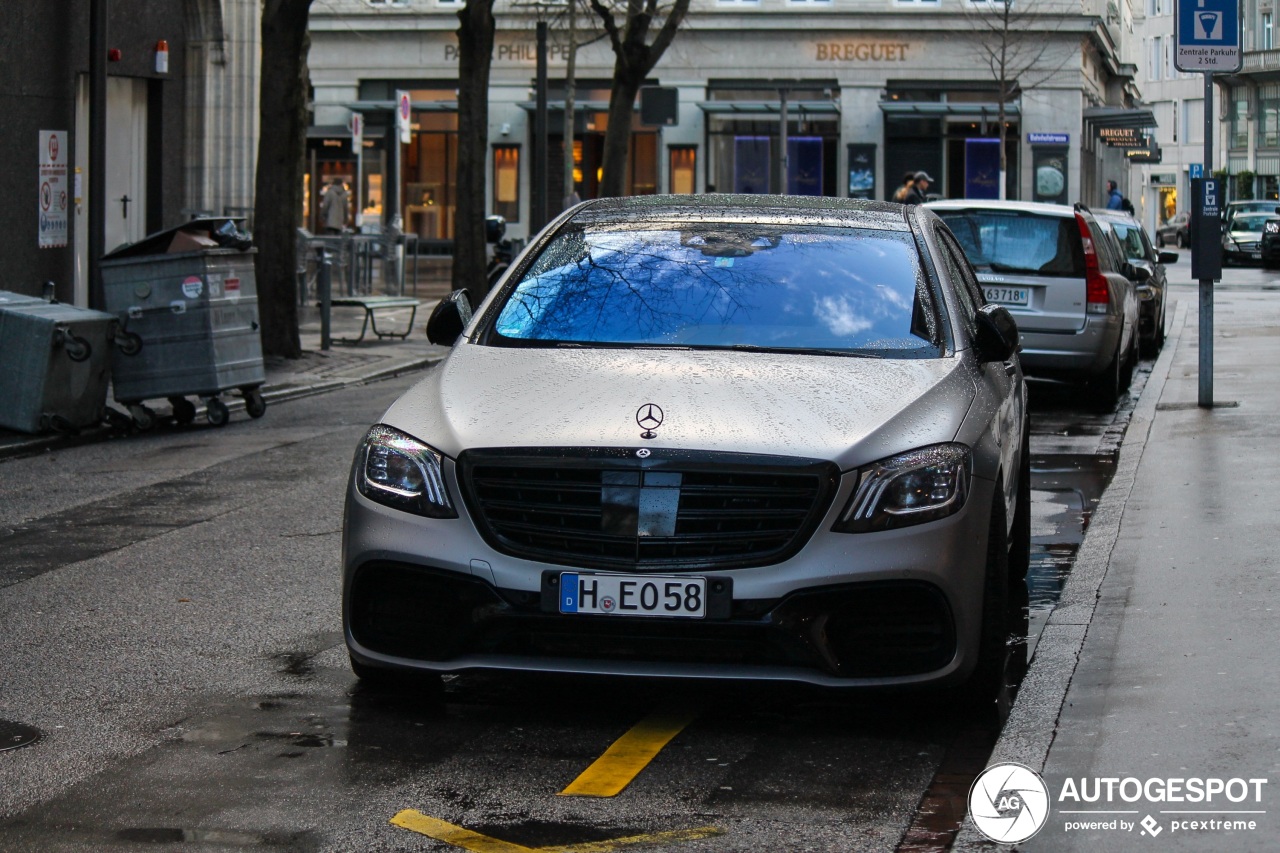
[649, 417]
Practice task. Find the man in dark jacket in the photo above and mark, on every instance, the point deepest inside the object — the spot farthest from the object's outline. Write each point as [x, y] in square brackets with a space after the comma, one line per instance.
[919, 187]
[1115, 201]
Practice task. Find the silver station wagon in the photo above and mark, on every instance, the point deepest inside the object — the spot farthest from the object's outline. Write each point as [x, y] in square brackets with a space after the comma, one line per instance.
[743, 437]
[1065, 279]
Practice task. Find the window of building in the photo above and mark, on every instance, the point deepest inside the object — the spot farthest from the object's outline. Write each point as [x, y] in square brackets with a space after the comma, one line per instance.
[1267, 34]
[683, 169]
[1193, 121]
[506, 182]
[1238, 128]
[1269, 116]
[1170, 73]
[1153, 59]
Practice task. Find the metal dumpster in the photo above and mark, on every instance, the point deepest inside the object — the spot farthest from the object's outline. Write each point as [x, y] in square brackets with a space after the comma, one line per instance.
[54, 364]
[193, 316]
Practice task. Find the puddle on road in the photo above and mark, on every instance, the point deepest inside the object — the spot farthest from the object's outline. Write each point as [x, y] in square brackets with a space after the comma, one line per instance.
[1070, 486]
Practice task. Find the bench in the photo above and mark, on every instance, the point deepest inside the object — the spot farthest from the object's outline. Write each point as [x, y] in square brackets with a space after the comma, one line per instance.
[372, 305]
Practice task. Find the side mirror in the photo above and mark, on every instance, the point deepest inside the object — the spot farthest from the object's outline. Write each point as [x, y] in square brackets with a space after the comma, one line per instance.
[1135, 273]
[997, 334]
[449, 318]
[1168, 257]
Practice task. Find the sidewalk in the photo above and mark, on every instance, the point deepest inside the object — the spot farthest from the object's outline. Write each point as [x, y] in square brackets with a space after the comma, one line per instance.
[1159, 661]
[316, 372]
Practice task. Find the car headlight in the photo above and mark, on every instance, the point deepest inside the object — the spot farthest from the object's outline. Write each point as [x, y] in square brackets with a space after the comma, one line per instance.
[911, 488]
[399, 471]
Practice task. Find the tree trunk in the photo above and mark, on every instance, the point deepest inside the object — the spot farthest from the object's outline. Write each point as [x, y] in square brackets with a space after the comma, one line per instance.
[617, 138]
[281, 156]
[475, 53]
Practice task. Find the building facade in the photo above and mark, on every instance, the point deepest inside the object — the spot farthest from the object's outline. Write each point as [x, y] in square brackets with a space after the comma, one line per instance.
[861, 91]
[180, 127]
[1250, 110]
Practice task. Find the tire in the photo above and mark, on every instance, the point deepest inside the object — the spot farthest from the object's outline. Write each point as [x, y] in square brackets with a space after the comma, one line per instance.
[1180, 241]
[184, 411]
[217, 413]
[426, 685]
[987, 681]
[253, 402]
[1159, 240]
[1020, 530]
[1130, 363]
[1104, 389]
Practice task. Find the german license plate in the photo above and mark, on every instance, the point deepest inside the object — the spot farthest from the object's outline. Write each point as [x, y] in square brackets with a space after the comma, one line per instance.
[1008, 295]
[633, 595]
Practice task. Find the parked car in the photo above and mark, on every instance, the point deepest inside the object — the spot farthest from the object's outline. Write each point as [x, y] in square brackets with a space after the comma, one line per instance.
[1270, 244]
[1176, 231]
[756, 437]
[1151, 282]
[1242, 239]
[1063, 277]
[1239, 208]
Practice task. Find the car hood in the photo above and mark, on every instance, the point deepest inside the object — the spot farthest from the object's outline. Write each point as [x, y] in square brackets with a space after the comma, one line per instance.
[844, 409]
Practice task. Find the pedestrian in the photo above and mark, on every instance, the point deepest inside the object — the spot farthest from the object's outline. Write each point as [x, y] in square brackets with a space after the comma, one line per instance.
[917, 194]
[1115, 201]
[333, 207]
[900, 194]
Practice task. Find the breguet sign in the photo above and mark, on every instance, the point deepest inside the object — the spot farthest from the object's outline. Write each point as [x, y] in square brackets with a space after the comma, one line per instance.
[861, 51]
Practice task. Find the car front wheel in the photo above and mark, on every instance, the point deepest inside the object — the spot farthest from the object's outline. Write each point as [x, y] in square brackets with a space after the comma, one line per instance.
[986, 683]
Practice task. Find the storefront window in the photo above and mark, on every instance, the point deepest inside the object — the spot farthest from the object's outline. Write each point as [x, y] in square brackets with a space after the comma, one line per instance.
[683, 169]
[744, 141]
[430, 176]
[506, 182]
[1270, 187]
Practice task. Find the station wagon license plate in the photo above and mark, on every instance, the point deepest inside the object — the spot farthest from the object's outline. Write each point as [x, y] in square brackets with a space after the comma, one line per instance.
[633, 595]
[1008, 295]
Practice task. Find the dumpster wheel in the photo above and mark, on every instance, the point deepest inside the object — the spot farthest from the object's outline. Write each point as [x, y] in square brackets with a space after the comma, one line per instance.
[216, 411]
[253, 402]
[184, 411]
[143, 418]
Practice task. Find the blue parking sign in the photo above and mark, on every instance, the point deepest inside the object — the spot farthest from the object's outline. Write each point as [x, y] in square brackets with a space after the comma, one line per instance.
[1207, 35]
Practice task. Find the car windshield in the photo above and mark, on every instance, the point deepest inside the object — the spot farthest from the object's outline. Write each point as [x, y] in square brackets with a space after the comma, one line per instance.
[1017, 241]
[1131, 239]
[1251, 222]
[726, 285]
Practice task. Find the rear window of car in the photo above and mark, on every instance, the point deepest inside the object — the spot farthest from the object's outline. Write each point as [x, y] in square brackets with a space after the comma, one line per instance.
[732, 285]
[1130, 237]
[1018, 242]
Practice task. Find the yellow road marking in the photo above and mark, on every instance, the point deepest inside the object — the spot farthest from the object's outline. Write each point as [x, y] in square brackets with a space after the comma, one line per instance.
[631, 753]
[459, 837]
[650, 838]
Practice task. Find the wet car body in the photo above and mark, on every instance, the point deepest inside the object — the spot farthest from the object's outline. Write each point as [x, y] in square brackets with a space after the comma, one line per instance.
[1242, 237]
[1175, 232]
[702, 467]
[1063, 277]
[1151, 283]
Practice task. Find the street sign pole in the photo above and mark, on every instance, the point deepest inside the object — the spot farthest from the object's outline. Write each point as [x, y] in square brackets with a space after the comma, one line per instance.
[1207, 38]
[1205, 398]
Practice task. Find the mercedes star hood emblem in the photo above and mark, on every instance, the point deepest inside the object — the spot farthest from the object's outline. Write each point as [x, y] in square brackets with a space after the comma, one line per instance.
[649, 417]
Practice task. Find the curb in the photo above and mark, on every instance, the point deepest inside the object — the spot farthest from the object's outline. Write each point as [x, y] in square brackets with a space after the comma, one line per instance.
[1029, 732]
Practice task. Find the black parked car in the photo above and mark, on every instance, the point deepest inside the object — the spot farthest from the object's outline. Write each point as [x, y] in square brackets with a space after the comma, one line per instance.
[1270, 244]
[1151, 289]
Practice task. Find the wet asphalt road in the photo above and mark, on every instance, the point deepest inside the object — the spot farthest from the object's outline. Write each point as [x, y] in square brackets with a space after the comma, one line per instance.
[171, 612]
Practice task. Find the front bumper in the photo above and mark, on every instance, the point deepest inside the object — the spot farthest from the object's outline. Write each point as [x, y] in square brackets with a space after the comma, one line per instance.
[898, 607]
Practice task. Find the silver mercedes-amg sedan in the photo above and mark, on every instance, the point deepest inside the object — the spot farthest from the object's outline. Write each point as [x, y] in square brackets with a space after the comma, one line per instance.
[742, 437]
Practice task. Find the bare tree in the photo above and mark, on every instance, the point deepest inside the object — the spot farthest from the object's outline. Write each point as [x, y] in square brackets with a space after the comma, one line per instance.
[1016, 41]
[634, 57]
[284, 86]
[475, 56]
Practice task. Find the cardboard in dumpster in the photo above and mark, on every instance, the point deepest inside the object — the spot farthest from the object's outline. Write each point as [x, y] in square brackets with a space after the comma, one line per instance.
[188, 237]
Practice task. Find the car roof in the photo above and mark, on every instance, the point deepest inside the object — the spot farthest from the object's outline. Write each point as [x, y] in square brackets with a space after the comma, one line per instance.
[997, 204]
[1117, 216]
[727, 207]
